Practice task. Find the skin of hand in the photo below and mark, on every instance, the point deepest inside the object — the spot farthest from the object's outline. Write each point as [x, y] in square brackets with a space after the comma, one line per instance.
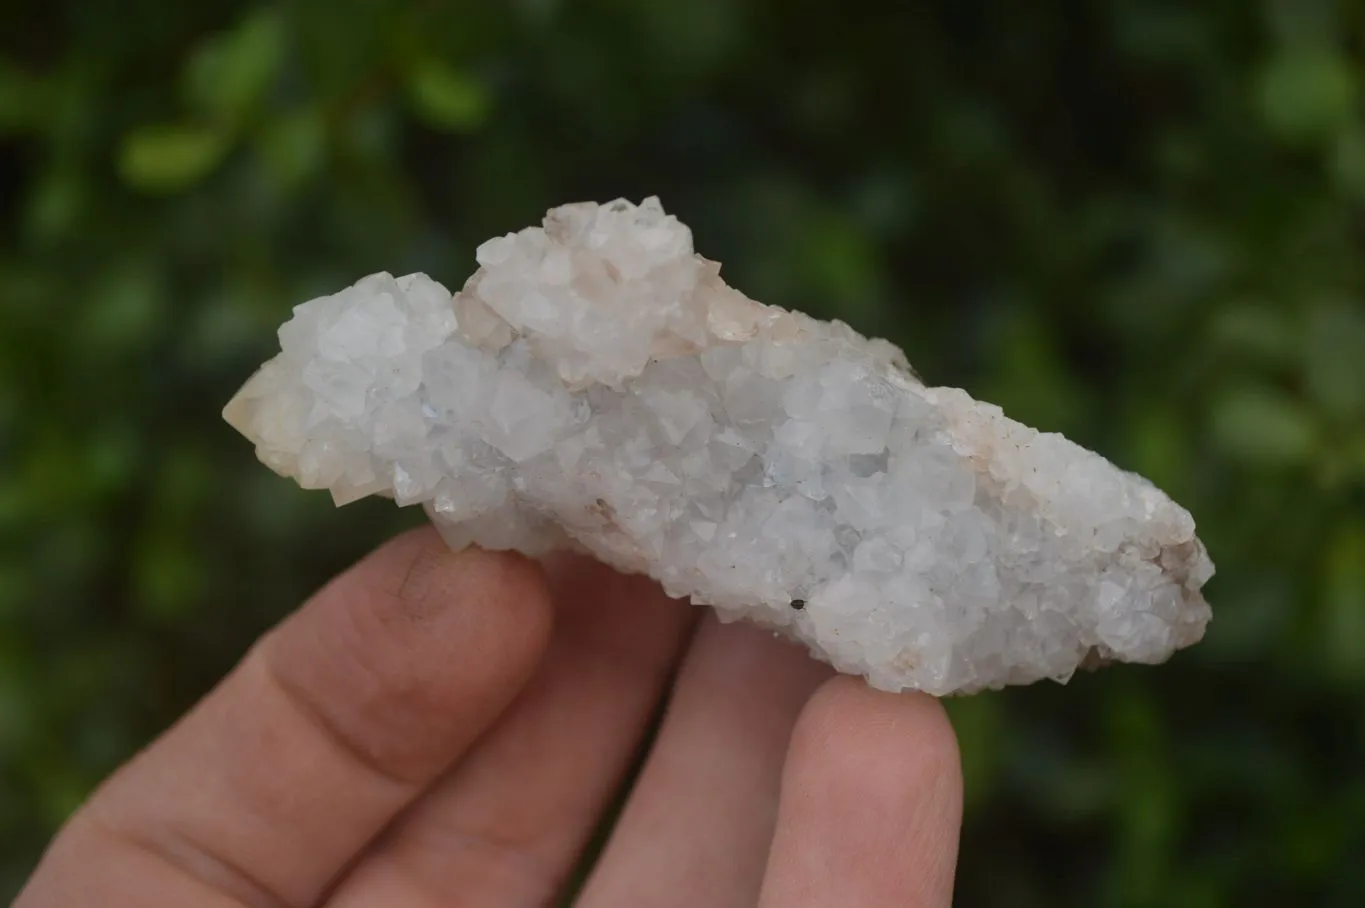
[441, 729]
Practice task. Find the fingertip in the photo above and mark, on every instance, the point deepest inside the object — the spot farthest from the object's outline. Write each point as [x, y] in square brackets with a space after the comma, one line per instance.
[871, 803]
[419, 568]
[414, 580]
[909, 733]
[416, 648]
[432, 576]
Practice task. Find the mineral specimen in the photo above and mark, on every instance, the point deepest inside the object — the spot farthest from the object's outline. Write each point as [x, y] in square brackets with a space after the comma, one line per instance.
[597, 386]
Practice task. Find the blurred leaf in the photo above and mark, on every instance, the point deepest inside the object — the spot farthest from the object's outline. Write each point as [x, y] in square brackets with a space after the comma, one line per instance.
[1258, 332]
[446, 98]
[62, 789]
[841, 263]
[979, 728]
[15, 710]
[170, 157]
[1263, 427]
[1344, 602]
[1303, 23]
[16, 503]
[1250, 620]
[24, 100]
[1334, 359]
[1348, 160]
[538, 13]
[110, 457]
[371, 133]
[293, 144]
[1160, 447]
[1307, 93]
[1159, 35]
[124, 310]
[228, 322]
[229, 73]
[13, 590]
[1030, 380]
[55, 204]
[885, 201]
[686, 40]
[167, 577]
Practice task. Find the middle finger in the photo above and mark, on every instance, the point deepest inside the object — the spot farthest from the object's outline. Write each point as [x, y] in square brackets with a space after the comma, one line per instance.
[697, 828]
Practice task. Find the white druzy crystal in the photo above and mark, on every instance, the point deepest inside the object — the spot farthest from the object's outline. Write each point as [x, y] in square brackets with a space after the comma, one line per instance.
[597, 386]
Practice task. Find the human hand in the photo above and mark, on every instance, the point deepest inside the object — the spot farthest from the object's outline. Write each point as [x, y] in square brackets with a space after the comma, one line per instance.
[440, 729]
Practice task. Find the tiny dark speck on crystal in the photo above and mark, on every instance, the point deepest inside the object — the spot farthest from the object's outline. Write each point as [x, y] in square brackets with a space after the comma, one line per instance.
[798, 604]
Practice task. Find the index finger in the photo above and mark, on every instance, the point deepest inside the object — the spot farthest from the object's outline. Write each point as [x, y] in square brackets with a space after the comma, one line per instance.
[326, 730]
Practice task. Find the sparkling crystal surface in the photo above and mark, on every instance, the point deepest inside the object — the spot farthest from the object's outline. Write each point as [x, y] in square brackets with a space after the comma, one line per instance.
[596, 385]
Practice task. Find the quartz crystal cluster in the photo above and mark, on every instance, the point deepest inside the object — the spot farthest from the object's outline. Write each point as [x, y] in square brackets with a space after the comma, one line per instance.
[596, 386]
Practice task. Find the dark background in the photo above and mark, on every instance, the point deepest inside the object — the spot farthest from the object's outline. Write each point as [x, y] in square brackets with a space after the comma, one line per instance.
[1136, 222]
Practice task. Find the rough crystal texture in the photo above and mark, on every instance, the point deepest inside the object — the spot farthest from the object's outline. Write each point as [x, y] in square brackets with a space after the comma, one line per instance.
[597, 386]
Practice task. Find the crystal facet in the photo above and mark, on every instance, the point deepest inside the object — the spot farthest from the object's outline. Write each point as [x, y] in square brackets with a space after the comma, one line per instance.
[597, 386]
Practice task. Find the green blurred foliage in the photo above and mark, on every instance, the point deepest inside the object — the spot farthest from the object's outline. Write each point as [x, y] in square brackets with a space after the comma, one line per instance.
[1138, 222]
